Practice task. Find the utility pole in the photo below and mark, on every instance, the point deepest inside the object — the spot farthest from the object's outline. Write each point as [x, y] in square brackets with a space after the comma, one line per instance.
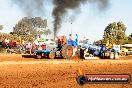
[71, 28]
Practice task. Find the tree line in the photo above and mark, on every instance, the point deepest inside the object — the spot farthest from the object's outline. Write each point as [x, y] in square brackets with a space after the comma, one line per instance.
[29, 28]
[114, 33]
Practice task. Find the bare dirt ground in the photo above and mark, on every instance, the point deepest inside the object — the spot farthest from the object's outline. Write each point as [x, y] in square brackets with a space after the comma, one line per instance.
[19, 72]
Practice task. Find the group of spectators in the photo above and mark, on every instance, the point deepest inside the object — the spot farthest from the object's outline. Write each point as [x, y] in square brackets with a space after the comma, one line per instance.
[7, 43]
[23, 47]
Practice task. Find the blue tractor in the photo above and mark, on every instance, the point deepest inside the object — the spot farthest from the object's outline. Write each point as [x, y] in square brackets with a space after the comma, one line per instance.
[98, 50]
[62, 49]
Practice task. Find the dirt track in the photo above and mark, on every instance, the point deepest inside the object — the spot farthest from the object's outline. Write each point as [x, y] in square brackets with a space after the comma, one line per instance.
[18, 72]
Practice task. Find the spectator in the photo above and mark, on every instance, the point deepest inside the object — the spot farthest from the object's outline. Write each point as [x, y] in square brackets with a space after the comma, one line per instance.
[70, 36]
[7, 41]
[76, 38]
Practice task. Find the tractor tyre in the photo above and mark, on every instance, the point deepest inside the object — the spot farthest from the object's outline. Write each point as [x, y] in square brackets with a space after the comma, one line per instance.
[8, 51]
[82, 53]
[111, 56]
[116, 56]
[51, 55]
[67, 51]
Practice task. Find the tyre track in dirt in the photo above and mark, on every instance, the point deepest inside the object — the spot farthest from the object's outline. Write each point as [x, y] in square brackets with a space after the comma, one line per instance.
[57, 73]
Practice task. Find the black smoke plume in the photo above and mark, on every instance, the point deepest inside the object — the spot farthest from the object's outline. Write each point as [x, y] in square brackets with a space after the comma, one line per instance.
[62, 6]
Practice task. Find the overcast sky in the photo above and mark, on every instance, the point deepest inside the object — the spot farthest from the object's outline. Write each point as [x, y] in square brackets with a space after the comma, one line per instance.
[90, 22]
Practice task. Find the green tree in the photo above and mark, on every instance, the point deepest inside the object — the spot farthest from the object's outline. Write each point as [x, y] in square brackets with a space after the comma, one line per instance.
[30, 27]
[1, 34]
[47, 32]
[129, 39]
[1, 27]
[115, 33]
[98, 42]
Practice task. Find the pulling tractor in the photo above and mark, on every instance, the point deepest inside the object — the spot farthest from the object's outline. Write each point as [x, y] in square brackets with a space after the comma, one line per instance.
[62, 48]
[101, 51]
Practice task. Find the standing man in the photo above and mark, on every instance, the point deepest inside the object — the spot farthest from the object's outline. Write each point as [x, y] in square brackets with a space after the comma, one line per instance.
[70, 36]
[76, 38]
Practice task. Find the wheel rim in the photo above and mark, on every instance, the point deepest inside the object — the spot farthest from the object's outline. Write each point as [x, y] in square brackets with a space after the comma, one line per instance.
[52, 55]
[69, 52]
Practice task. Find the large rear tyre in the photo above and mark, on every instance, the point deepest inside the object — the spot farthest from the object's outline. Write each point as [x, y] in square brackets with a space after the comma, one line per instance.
[51, 55]
[82, 53]
[67, 51]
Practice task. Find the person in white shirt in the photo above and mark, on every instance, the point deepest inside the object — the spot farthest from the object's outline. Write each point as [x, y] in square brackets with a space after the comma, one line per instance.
[7, 41]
